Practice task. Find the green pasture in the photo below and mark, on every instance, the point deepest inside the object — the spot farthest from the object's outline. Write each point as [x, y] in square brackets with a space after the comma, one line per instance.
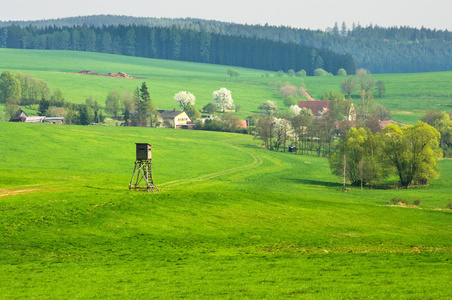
[232, 221]
[407, 95]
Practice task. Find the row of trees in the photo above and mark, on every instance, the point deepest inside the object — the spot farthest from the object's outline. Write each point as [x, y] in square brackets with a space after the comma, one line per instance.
[178, 44]
[379, 49]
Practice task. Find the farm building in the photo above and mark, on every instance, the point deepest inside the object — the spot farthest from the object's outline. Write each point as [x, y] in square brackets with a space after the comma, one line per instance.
[19, 116]
[319, 108]
[53, 120]
[176, 119]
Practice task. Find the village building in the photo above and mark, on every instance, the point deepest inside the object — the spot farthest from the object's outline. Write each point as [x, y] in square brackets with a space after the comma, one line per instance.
[53, 120]
[176, 119]
[321, 107]
[21, 116]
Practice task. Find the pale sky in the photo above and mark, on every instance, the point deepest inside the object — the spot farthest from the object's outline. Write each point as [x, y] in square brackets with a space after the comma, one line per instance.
[313, 14]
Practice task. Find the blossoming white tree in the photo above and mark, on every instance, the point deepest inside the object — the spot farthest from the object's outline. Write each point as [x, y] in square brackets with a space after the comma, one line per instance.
[223, 99]
[184, 99]
[283, 132]
[294, 110]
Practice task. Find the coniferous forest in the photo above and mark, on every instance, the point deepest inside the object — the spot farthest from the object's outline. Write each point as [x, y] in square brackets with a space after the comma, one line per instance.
[178, 44]
[378, 49]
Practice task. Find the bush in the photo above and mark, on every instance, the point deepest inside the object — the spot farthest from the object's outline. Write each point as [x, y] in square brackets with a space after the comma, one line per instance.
[233, 72]
[291, 73]
[341, 72]
[320, 72]
[301, 73]
[280, 73]
[417, 202]
[449, 206]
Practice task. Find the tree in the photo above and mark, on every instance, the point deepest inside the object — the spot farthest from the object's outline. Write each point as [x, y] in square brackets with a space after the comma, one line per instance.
[289, 90]
[222, 98]
[413, 151]
[86, 115]
[291, 73]
[113, 103]
[269, 108]
[381, 89]
[283, 133]
[184, 99]
[10, 88]
[442, 122]
[210, 108]
[233, 72]
[365, 80]
[44, 105]
[264, 130]
[348, 86]
[358, 159]
[192, 112]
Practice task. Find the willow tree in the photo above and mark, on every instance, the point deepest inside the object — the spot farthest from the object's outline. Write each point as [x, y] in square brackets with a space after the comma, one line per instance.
[413, 151]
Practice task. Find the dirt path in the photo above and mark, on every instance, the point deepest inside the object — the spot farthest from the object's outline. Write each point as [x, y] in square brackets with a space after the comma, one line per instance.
[257, 161]
[305, 92]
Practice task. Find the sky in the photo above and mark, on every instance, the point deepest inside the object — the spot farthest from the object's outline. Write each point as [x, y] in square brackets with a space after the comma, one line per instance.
[313, 14]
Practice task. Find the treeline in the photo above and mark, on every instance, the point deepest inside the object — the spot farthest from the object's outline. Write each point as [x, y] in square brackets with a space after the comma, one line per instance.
[178, 44]
[378, 49]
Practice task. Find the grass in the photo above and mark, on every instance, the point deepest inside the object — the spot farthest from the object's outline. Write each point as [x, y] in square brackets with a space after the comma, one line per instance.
[232, 221]
[408, 95]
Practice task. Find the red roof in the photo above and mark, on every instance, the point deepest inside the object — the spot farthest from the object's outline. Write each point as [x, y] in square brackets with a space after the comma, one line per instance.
[315, 106]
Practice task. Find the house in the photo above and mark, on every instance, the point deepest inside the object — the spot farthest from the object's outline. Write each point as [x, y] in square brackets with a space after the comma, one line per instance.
[175, 119]
[19, 116]
[318, 108]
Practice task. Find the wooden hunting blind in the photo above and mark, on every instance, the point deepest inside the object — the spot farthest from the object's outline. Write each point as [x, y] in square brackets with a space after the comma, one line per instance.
[143, 168]
[144, 151]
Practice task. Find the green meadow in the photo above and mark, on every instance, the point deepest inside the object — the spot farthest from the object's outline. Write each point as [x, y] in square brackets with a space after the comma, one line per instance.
[232, 221]
[407, 95]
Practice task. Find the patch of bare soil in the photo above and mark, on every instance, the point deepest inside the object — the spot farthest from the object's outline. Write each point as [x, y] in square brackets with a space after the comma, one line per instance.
[111, 74]
[5, 193]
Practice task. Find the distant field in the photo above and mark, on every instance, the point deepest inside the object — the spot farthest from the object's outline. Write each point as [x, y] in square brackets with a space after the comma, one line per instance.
[408, 95]
[232, 221]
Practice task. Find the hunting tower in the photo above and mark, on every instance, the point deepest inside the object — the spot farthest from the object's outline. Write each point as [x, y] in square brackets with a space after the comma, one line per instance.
[143, 168]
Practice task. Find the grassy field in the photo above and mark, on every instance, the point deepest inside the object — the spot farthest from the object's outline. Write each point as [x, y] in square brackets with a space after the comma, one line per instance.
[232, 221]
[408, 95]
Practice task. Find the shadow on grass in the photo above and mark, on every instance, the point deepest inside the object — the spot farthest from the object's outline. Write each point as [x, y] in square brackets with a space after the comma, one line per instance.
[315, 182]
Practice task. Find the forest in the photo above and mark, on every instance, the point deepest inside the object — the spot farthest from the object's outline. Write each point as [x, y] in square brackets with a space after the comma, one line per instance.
[178, 44]
[378, 49]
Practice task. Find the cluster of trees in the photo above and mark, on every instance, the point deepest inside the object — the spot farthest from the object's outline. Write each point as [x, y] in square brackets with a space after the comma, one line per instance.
[178, 44]
[411, 152]
[379, 49]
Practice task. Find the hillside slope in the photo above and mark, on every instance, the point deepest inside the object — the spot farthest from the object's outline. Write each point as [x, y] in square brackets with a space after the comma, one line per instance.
[232, 220]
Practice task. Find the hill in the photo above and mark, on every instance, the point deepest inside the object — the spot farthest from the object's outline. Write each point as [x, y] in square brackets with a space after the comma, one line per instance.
[232, 220]
[379, 49]
[407, 95]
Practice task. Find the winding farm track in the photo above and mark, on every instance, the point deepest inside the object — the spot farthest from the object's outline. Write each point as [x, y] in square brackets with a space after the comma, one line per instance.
[257, 161]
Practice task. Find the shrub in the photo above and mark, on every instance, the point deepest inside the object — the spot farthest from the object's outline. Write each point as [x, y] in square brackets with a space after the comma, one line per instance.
[449, 206]
[280, 73]
[320, 72]
[301, 73]
[417, 202]
[233, 72]
[341, 72]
